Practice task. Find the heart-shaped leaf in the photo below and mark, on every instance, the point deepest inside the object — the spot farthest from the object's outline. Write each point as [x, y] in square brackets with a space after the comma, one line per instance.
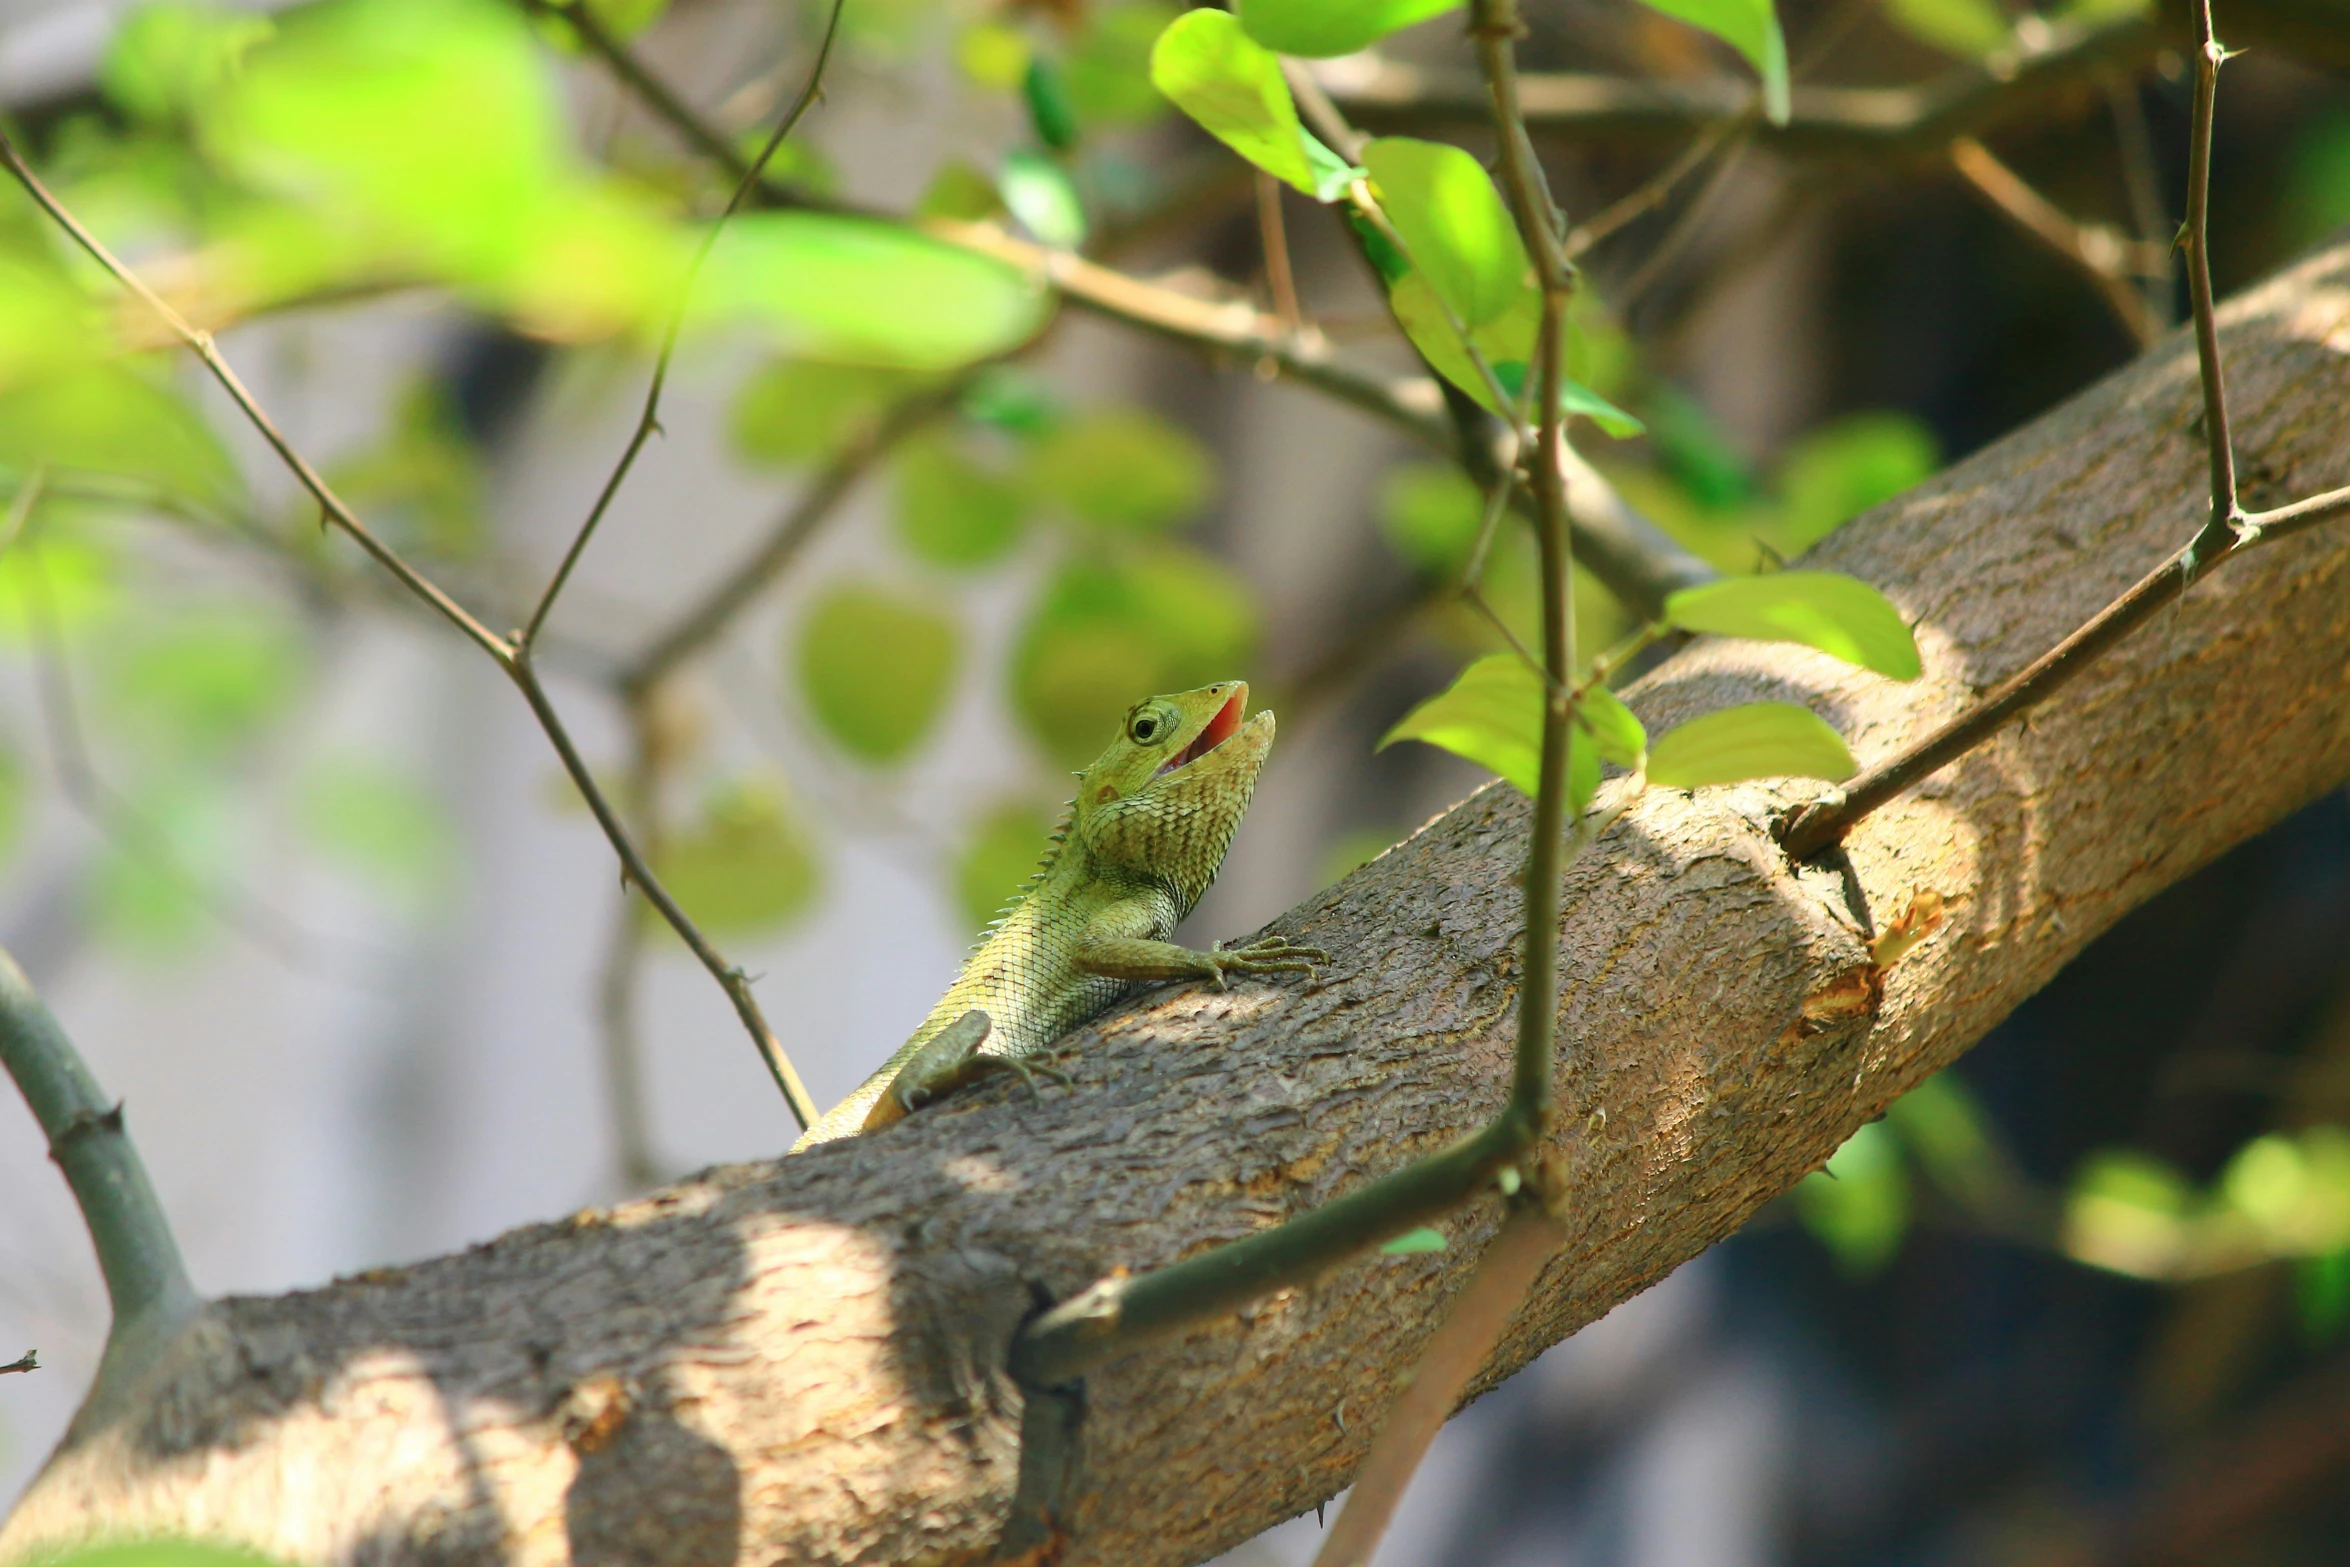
[1824, 609]
[1756, 740]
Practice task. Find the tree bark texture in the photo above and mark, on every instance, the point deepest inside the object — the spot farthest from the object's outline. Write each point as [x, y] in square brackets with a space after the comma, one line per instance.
[803, 1361]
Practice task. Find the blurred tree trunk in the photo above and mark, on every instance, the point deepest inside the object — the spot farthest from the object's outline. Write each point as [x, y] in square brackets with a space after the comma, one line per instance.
[803, 1361]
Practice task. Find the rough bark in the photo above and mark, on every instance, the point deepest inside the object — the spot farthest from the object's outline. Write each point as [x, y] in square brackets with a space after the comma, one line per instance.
[802, 1361]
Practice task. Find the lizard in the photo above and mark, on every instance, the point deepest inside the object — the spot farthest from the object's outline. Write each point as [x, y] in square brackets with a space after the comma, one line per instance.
[1133, 854]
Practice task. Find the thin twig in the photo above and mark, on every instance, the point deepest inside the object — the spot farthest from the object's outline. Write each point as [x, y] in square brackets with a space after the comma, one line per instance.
[516, 661]
[1861, 122]
[2228, 531]
[2217, 440]
[1637, 560]
[1473, 1324]
[1116, 1315]
[649, 419]
[2134, 141]
[2112, 265]
[146, 1282]
[1275, 240]
[624, 954]
[30, 1360]
[267, 928]
[201, 343]
[705, 621]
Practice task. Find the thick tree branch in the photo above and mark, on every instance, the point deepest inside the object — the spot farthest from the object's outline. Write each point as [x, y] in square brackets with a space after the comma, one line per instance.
[146, 1283]
[804, 1361]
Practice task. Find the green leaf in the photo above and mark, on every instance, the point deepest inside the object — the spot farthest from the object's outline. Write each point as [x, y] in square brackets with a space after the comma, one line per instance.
[1108, 66]
[1835, 473]
[744, 866]
[1106, 633]
[1858, 1207]
[1752, 28]
[1457, 232]
[1837, 614]
[163, 1552]
[1050, 113]
[1507, 343]
[1411, 1242]
[368, 816]
[199, 683]
[12, 801]
[1574, 399]
[46, 324]
[2128, 1212]
[164, 59]
[800, 410]
[876, 668]
[951, 511]
[1318, 29]
[1754, 740]
[1969, 29]
[149, 892]
[1124, 468]
[859, 291]
[958, 190]
[1620, 737]
[1040, 195]
[108, 419]
[2321, 1293]
[998, 858]
[1430, 513]
[1491, 715]
[1232, 86]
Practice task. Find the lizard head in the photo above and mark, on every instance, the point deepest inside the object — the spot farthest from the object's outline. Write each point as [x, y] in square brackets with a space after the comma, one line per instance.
[1168, 794]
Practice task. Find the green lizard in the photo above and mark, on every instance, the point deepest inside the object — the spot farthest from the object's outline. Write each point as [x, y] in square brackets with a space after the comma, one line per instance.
[1138, 847]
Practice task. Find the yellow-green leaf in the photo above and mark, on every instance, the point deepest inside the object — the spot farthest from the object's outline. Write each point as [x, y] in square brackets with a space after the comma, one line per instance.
[1458, 234]
[1837, 614]
[744, 866]
[1755, 740]
[1232, 86]
[1752, 28]
[876, 668]
[1318, 29]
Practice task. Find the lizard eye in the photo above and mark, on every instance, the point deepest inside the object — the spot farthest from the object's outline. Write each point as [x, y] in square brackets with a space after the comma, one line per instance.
[1147, 727]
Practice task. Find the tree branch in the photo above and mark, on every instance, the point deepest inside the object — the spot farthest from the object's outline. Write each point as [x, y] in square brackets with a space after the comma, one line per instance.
[146, 1282]
[1869, 122]
[804, 1360]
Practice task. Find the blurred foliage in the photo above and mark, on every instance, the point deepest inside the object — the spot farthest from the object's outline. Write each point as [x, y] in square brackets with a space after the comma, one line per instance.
[998, 857]
[1122, 468]
[953, 508]
[365, 814]
[876, 668]
[744, 865]
[802, 410]
[159, 1552]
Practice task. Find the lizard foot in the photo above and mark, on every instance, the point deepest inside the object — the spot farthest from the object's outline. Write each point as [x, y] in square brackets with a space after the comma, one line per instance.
[1030, 1071]
[1267, 955]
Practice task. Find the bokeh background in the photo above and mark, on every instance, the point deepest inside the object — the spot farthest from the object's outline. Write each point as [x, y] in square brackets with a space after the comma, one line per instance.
[305, 883]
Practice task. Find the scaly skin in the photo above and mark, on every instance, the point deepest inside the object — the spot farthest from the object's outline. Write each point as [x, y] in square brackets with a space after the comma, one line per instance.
[1141, 842]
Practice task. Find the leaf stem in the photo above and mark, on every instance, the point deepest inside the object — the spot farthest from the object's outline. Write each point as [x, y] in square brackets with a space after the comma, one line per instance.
[649, 420]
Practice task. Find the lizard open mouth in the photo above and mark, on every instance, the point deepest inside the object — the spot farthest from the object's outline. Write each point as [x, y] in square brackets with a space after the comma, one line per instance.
[1218, 729]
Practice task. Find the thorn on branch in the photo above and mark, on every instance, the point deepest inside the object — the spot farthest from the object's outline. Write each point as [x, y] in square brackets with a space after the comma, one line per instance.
[28, 1361]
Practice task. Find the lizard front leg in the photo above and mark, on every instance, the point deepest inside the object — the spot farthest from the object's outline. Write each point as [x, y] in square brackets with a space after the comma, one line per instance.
[1117, 944]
